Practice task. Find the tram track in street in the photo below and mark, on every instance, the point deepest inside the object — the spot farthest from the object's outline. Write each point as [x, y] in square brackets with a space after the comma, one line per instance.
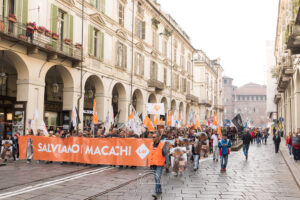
[50, 177]
[118, 186]
[46, 184]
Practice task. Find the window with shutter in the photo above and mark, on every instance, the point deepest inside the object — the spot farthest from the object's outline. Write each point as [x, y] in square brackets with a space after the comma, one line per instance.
[165, 76]
[121, 55]
[4, 8]
[103, 5]
[96, 40]
[140, 29]
[102, 46]
[188, 87]
[143, 30]
[164, 48]
[140, 64]
[121, 14]
[153, 70]
[54, 19]
[91, 40]
[24, 11]
[140, 9]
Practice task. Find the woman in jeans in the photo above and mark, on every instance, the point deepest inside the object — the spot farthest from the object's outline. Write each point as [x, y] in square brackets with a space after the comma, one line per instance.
[289, 143]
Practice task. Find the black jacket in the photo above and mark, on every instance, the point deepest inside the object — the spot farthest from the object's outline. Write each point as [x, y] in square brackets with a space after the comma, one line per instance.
[276, 139]
[246, 137]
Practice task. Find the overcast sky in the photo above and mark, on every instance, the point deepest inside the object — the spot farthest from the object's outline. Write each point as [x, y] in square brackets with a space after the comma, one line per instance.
[234, 30]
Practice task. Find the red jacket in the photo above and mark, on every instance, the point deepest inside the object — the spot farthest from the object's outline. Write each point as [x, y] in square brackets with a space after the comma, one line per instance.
[288, 140]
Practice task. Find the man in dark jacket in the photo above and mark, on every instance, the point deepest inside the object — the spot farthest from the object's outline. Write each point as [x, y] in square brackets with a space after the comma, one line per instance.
[246, 137]
[277, 140]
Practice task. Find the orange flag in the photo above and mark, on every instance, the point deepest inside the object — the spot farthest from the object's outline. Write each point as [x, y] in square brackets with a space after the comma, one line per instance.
[197, 122]
[147, 122]
[95, 115]
[169, 119]
[220, 132]
[155, 120]
[215, 122]
[130, 116]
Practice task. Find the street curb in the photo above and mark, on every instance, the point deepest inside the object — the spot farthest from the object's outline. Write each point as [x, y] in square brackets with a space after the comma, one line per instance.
[237, 147]
[292, 169]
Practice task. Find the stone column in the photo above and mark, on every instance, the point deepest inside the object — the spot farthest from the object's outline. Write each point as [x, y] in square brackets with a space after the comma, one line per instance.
[123, 107]
[297, 109]
[32, 92]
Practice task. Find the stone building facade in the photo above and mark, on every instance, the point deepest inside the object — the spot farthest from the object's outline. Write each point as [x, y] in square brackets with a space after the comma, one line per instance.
[132, 53]
[208, 85]
[228, 98]
[287, 70]
[249, 100]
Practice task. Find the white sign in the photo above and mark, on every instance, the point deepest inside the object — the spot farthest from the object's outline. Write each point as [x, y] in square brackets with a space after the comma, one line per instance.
[156, 108]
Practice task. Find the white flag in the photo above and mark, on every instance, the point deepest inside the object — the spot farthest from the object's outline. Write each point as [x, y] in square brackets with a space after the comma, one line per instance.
[44, 128]
[74, 116]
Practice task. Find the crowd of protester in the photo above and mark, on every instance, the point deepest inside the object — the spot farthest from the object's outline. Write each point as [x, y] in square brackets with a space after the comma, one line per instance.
[195, 145]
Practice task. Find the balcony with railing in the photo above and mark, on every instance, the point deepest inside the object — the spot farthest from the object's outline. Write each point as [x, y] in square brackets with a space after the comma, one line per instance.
[192, 98]
[205, 102]
[158, 85]
[292, 31]
[54, 47]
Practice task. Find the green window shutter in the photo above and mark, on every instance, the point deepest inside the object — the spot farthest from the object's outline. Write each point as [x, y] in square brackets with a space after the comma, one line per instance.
[102, 45]
[18, 9]
[93, 2]
[103, 6]
[24, 11]
[98, 4]
[66, 27]
[71, 27]
[5, 8]
[53, 20]
[91, 39]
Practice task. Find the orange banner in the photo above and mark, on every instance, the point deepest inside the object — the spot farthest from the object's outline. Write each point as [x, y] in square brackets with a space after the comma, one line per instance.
[109, 151]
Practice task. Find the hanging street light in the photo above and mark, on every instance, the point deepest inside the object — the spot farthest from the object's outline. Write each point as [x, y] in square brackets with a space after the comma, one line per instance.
[90, 94]
[3, 79]
[55, 88]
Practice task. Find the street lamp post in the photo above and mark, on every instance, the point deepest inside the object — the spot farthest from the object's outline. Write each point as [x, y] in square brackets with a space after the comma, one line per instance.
[81, 63]
[171, 87]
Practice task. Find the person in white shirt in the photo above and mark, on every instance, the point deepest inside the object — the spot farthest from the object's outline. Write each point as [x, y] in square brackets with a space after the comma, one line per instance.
[215, 139]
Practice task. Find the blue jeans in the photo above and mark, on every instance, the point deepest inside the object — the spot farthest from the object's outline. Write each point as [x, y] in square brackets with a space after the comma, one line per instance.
[196, 161]
[245, 149]
[157, 175]
[258, 140]
[224, 161]
[290, 149]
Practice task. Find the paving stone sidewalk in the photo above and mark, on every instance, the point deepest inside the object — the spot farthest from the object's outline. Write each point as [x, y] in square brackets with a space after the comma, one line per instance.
[264, 176]
[293, 165]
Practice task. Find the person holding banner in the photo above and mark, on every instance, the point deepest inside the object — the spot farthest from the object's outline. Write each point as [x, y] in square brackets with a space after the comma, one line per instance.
[157, 159]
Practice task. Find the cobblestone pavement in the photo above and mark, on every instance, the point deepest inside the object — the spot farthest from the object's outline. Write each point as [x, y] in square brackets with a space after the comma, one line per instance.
[264, 176]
